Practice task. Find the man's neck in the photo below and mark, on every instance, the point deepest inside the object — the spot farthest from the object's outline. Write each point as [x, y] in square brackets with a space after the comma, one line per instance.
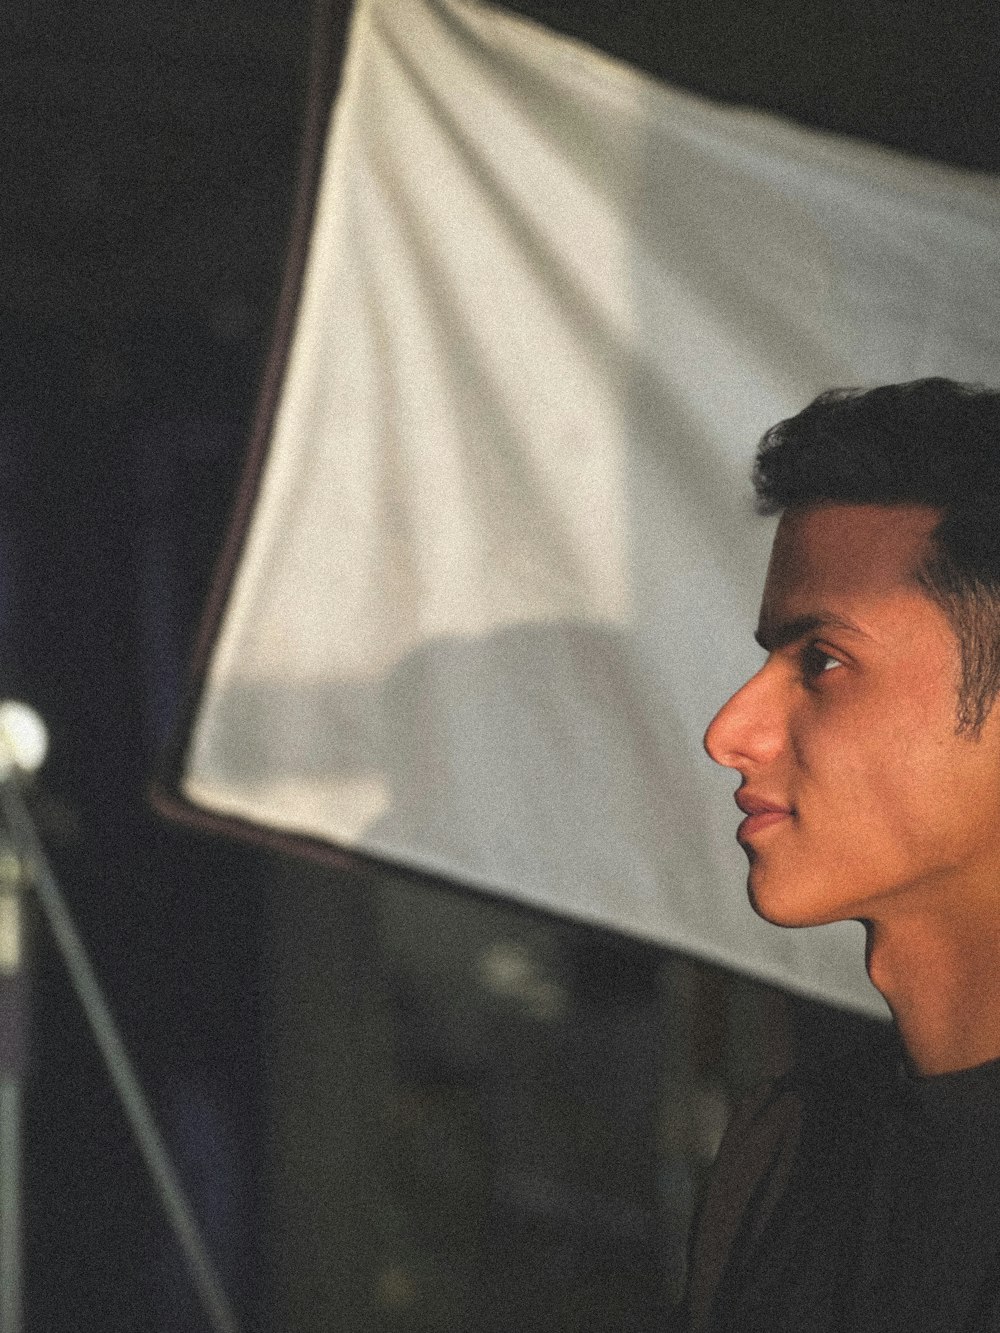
[941, 980]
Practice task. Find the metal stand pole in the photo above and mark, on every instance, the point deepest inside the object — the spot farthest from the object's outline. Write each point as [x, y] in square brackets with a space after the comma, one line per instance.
[10, 1205]
[12, 1043]
[31, 867]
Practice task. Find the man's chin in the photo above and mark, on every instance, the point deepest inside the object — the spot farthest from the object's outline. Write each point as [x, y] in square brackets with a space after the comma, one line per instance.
[784, 905]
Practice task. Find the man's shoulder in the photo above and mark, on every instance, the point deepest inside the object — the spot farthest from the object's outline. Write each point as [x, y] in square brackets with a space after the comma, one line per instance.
[827, 1083]
[829, 1077]
[813, 1110]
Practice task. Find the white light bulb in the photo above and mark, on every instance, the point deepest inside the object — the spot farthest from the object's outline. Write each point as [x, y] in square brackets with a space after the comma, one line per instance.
[24, 740]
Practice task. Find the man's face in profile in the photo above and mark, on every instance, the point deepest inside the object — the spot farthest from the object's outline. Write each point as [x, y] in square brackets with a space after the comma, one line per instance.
[861, 796]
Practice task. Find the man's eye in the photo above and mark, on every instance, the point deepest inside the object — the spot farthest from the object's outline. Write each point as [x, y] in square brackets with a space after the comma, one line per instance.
[816, 661]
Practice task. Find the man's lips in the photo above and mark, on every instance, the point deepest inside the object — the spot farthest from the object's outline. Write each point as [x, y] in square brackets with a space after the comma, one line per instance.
[761, 813]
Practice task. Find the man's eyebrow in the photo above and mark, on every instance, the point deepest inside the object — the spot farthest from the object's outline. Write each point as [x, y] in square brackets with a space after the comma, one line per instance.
[773, 637]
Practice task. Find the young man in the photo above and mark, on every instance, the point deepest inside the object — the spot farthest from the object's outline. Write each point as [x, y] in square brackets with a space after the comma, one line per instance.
[863, 1193]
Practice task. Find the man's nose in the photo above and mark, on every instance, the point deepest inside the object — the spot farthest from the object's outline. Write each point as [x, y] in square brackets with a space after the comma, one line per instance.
[747, 728]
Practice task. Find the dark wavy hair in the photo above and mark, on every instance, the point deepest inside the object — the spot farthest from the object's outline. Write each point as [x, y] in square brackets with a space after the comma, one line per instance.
[930, 442]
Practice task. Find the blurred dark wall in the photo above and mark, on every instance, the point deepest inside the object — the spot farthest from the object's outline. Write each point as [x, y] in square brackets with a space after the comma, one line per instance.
[148, 158]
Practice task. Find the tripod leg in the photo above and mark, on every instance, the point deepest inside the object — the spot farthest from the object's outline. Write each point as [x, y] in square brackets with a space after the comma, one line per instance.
[10, 1204]
[116, 1059]
[12, 1014]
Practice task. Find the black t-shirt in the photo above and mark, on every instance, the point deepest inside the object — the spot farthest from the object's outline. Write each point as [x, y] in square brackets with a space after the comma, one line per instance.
[890, 1218]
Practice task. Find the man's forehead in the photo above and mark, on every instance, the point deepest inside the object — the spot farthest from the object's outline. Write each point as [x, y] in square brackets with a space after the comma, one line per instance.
[839, 550]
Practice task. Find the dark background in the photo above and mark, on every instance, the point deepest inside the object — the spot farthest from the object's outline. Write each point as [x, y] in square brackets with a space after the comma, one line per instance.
[148, 161]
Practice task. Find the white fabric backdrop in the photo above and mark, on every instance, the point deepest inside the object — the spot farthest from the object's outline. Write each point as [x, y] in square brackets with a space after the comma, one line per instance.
[503, 566]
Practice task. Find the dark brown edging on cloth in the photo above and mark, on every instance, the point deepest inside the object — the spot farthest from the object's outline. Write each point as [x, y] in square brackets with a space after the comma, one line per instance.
[329, 26]
[173, 806]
